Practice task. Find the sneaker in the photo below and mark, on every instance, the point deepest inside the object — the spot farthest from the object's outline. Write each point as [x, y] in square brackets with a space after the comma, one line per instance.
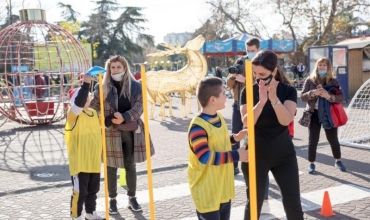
[340, 165]
[94, 215]
[265, 208]
[113, 207]
[78, 218]
[311, 168]
[133, 204]
[236, 171]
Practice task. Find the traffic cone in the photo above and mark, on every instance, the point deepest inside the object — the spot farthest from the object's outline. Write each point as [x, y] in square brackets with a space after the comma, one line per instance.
[122, 177]
[326, 209]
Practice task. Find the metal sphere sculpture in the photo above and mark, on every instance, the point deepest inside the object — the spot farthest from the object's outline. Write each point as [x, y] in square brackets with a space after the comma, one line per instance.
[39, 63]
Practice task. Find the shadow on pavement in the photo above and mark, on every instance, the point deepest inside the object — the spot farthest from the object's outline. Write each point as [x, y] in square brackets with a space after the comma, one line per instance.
[38, 151]
[353, 166]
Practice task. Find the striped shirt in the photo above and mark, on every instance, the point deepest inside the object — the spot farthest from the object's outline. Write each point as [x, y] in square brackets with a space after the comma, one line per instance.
[199, 141]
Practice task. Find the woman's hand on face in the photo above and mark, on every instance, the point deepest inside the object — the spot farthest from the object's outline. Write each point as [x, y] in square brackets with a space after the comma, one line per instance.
[262, 91]
[272, 90]
[118, 119]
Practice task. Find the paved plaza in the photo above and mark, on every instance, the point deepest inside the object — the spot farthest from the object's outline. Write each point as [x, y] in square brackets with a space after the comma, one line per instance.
[35, 181]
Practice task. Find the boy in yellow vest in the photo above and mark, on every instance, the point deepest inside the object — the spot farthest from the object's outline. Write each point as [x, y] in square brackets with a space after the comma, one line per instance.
[210, 168]
[84, 143]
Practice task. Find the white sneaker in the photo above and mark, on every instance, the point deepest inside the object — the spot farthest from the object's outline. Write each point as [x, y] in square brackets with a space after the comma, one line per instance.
[94, 215]
[265, 208]
[78, 218]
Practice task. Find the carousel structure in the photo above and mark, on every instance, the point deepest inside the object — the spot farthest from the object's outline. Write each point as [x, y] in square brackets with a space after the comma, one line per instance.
[39, 63]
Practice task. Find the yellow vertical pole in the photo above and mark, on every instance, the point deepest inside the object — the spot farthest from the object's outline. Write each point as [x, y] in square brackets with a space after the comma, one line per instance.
[147, 142]
[251, 146]
[104, 146]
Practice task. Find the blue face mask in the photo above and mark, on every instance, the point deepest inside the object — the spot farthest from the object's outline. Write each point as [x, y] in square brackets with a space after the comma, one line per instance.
[322, 73]
[251, 55]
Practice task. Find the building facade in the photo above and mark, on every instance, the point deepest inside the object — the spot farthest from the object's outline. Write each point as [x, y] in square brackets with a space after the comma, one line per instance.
[174, 38]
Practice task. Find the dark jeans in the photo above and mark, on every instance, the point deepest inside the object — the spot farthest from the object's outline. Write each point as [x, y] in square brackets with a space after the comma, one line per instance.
[222, 214]
[285, 172]
[85, 188]
[314, 135]
[130, 167]
[236, 126]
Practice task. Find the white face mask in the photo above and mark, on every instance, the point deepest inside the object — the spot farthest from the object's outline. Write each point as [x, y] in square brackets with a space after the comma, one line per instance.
[118, 77]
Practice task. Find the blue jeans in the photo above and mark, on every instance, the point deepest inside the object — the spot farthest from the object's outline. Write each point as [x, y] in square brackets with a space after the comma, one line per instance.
[236, 126]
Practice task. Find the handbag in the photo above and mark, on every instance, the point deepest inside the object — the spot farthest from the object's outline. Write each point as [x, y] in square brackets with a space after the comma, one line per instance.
[338, 114]
[131, 126]
[305, 120]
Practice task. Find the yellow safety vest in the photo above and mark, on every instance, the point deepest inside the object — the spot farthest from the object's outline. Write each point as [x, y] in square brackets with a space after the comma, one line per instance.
[84, 142]
[211, 185]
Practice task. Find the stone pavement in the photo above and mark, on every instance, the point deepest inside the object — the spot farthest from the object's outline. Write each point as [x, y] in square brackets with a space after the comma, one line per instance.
[36, 183]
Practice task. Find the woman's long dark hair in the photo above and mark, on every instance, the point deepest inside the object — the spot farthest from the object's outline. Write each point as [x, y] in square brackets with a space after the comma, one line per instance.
[268, 60]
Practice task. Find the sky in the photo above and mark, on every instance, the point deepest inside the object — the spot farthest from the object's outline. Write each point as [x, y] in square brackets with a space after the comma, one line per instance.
[164, 16]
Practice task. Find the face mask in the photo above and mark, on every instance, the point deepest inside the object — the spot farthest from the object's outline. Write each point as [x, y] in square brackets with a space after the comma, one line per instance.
[267, 80]
[118, 77]
[251, 55]
[322, 73]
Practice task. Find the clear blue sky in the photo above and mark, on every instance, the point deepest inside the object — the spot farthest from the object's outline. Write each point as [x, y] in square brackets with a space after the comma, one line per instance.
[164, 16]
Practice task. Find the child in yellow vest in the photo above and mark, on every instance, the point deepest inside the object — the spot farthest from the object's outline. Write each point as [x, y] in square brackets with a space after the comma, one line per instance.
[84, 143]
[210, 168]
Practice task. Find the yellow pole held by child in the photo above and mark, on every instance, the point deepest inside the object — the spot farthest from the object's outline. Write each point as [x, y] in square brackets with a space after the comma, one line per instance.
[147, 142]
[251, 142]
[103, 140]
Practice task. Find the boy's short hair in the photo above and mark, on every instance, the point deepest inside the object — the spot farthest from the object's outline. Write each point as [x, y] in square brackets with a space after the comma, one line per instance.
[207, 87]
[253, 41]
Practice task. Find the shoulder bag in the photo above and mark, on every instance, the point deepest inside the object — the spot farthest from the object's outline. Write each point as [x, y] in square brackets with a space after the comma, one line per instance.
[305, 120]
[338, 114]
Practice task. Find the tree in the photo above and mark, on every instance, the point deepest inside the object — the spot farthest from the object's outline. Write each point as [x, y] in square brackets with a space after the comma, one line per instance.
[69, 14]
[323, 16]
[211, 31]
[115, 35]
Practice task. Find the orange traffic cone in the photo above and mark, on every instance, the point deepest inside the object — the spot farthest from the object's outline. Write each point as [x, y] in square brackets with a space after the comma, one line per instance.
[326, 209]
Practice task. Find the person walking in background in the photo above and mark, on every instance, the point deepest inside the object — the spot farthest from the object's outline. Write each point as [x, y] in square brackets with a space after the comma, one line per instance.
[29, 83]
[48, 83]
[315, 93]
[84, 144]
[300, 69]
[275, 103]
[123, 104]
[236, 82]
[39, 89]
[210, 167]
[137, 75]
[218, 72]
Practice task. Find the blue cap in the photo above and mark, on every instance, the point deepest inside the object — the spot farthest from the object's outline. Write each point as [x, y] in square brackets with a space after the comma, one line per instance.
[94, 71]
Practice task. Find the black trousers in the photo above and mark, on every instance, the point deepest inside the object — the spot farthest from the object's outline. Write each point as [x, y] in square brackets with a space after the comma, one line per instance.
[222, 214]
[85, 188]
[285, 172]
[130, 167]
[236, 126]
[314, 135]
